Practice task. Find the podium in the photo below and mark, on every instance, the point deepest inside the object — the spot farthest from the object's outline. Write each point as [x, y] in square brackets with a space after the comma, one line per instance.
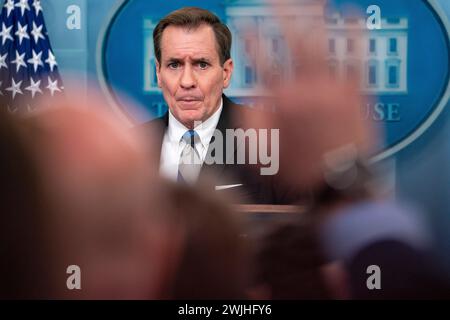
[269, 209]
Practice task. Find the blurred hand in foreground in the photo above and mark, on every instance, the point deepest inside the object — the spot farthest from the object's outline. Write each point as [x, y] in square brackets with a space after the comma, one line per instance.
[316, 111]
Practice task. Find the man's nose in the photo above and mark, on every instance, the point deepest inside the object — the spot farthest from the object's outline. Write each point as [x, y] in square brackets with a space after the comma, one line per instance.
[188, 80]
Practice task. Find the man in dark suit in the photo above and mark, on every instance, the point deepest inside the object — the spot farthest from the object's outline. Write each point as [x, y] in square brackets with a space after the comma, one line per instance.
[194, 66]
[242, 181]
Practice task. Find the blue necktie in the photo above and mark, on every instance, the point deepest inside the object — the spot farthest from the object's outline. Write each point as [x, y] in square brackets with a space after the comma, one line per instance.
[190, 163]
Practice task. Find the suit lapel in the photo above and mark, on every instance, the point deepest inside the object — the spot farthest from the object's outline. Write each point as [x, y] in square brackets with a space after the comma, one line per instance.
[226, 121]
[160, 126]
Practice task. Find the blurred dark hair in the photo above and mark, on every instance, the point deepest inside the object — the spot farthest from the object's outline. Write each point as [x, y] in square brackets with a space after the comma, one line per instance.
[23, 269]
[289, 261]
[213, 263]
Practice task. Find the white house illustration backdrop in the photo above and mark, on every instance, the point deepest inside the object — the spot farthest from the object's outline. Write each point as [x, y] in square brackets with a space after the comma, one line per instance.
[382, 57]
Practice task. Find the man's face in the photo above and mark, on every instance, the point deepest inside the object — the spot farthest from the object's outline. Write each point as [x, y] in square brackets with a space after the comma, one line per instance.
[190, 73]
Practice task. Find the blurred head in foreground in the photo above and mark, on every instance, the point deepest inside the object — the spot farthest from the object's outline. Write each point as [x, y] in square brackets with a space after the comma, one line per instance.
[82, 191]
[213, 259]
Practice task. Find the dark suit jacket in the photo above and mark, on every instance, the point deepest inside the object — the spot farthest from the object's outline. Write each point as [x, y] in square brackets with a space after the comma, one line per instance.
[255, 188]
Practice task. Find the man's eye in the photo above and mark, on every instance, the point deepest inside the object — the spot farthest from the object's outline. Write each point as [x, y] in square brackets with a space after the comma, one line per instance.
[202, 65]
[173, 65]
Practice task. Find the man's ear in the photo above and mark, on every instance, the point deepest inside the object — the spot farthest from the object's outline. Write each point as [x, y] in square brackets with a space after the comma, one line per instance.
[227, 71]
[158, 73]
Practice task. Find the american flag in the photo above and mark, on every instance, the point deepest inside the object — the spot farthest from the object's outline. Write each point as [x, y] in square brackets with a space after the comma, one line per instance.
[28, 68]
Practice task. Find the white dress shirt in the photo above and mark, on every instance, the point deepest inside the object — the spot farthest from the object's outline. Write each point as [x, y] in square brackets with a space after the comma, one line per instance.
[173, 145]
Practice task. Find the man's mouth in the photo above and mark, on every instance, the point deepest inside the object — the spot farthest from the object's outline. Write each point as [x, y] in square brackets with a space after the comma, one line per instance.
[189, 102]
[189, 98]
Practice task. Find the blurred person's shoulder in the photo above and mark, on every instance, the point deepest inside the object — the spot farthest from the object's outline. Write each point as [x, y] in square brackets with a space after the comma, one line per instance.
[233, 113]
[154, 124]
[153, 129]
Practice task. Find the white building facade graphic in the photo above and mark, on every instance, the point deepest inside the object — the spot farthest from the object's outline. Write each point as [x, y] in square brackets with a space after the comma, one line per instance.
[384, 53]
[382, 57]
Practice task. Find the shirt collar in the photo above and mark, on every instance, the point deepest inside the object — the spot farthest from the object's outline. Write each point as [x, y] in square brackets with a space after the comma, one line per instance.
[205, 129]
